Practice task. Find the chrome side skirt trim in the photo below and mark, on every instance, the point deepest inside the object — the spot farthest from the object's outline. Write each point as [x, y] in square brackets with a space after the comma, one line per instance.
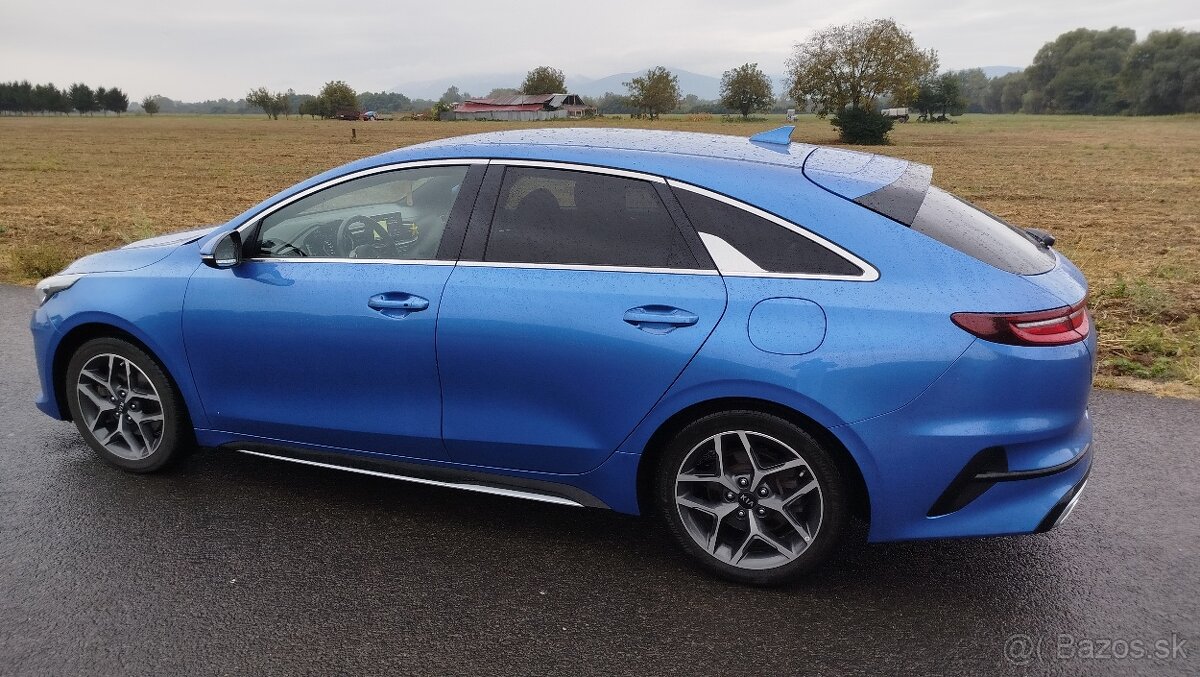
[479, 488]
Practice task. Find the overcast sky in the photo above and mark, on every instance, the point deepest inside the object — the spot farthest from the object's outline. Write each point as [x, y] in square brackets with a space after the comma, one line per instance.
[222, 48]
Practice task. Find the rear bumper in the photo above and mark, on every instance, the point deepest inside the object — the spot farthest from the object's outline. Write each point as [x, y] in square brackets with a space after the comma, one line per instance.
[1000, 442]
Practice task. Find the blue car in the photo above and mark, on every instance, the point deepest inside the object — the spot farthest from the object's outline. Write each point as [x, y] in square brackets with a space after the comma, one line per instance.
[757, 341]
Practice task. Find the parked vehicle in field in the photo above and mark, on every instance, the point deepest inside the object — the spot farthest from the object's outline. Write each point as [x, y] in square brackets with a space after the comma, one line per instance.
[753, 340]
[900, 114]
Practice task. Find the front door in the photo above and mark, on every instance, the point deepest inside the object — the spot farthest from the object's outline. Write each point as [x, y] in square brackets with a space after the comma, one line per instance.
[325, 335]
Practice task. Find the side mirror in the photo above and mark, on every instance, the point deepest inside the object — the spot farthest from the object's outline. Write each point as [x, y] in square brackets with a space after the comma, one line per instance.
[226, 252]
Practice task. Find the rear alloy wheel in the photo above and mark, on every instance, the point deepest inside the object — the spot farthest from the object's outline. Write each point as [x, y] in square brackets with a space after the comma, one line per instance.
[751, 497]
[125, 407]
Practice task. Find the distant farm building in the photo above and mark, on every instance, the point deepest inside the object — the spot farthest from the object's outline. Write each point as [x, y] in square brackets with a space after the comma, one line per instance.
[521, 107]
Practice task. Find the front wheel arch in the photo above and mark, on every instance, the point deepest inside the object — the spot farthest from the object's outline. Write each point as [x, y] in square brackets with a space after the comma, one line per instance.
[648, 465]
[75, 338]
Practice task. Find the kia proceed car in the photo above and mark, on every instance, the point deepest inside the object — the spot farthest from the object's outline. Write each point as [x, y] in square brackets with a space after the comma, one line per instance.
[754, 340]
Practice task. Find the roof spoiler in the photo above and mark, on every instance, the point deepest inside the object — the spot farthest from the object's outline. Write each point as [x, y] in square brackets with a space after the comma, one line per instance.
[781, 136]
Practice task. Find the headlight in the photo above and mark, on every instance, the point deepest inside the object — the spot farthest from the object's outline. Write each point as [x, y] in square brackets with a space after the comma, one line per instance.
[54, 284]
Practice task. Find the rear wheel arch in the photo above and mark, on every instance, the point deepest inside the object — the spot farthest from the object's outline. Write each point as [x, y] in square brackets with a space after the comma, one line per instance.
[647, 466]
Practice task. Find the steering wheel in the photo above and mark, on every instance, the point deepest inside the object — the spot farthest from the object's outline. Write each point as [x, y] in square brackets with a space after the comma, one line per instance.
[380, 242]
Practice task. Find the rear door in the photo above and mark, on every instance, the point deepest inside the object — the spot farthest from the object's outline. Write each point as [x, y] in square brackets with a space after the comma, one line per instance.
[578, 302]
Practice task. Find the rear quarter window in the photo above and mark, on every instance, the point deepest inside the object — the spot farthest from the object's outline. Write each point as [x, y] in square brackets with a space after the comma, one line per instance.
[768, 246]
[959, 224]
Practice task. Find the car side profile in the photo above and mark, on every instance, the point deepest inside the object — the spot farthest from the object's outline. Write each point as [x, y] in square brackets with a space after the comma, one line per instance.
[754, 340]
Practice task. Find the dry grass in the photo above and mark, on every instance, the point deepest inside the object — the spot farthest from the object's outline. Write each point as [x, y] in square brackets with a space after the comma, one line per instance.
[1121, 194]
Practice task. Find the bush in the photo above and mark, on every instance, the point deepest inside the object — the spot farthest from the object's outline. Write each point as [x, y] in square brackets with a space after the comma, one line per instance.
[38, 261]
[862, 126]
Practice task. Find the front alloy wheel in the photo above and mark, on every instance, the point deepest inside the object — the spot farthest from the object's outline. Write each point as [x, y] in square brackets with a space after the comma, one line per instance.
[751, 497]
[124, 405]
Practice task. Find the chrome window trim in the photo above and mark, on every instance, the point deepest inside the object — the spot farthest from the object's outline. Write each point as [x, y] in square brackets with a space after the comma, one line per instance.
[869, 274]
[586, 267]
[576, 167]
[336, 259]
[411, 164]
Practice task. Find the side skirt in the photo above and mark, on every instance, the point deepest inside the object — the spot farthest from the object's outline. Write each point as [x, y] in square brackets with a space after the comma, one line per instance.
[465, 480]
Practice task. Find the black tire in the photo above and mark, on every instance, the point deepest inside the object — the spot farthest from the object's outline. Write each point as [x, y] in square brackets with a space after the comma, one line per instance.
[764, 429]
[174, 437]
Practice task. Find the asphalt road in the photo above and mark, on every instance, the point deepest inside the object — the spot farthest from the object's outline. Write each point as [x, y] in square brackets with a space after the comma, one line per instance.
[239, 565]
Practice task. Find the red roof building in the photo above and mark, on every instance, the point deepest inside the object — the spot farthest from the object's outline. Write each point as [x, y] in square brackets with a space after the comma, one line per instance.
[522, 107]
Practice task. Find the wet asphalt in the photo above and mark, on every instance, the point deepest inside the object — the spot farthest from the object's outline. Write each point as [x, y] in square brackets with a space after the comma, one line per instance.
[241, 565]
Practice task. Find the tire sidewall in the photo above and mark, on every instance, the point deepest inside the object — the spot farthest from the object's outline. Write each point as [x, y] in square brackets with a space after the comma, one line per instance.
[174, 434]
[835, 511]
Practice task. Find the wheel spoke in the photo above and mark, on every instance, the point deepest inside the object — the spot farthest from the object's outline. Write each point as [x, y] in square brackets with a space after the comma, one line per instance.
[131, 441]
[798, 493]
[103, 404]
[766, 538]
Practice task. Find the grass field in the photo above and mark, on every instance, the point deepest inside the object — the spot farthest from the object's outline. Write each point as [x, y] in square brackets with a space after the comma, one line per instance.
[1121, 194]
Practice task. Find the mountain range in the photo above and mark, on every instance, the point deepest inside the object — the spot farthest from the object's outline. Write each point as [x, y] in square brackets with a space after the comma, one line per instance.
[703, 86]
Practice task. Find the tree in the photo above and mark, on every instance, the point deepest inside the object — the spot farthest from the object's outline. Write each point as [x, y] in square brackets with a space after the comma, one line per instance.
[940, 96]
[1079, 72]
[98, 98]
[544, 80]
[310, 107]
[271, 104]
[450, 96]
[855, 64]
[655, 92]
[1012, 89]
[1161, 74]
[501, 92]
[385, 101]
[83, 99]
[746, 89]
[336, 96]
[114, 100]
[150, 105]
[974, 85]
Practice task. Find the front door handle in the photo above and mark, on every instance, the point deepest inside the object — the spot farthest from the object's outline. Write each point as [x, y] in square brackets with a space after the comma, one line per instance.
[397, 304]
[660, 319]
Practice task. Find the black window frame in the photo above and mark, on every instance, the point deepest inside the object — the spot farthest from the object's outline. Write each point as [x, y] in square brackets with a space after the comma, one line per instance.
[868, 272]
[452, 236]
[487, 205]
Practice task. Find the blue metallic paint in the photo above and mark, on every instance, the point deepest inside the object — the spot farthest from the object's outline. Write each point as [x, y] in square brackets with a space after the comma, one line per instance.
[910, 396]
[541, 372]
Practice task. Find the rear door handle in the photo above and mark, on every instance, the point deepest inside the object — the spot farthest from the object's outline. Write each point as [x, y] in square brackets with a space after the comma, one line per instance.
[660, 319]
[398, 304]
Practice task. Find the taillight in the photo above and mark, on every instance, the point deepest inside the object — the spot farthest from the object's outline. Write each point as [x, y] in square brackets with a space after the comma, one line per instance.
[1056, 327]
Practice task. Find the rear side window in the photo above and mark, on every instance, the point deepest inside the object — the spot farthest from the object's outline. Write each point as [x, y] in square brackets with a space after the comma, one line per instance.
[555, 216]
[977, 233]
[748, 241]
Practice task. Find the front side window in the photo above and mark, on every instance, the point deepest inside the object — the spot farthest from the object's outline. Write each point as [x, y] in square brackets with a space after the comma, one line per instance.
[400, 214]
[554, 216]
[744, 242]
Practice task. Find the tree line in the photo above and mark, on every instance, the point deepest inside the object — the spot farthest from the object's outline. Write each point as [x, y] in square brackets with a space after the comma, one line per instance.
[25, 98]
[1094, 72]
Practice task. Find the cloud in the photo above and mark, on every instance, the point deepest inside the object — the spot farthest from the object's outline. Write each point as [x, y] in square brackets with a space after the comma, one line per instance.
[222, 48]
